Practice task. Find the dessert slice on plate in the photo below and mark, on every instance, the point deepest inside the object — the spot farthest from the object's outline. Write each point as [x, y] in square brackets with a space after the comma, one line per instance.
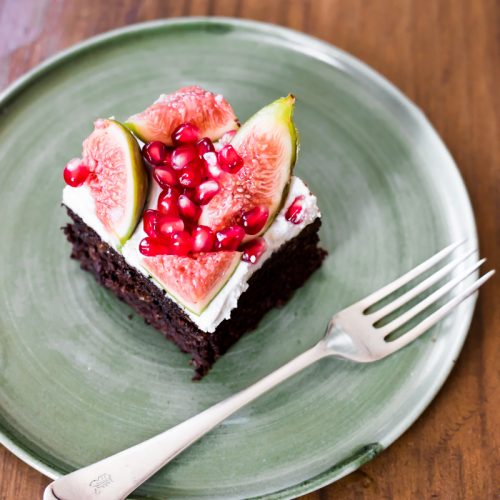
[207, 229]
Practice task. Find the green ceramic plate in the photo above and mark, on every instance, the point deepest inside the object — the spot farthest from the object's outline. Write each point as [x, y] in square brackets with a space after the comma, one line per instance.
[80, 380]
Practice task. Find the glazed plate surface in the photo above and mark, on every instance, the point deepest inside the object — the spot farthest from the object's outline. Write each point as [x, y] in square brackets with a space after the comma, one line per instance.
[80, 380]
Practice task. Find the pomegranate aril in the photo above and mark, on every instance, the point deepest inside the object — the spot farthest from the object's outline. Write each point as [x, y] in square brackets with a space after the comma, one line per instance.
[255, 219]
[167, 201]
[229, 238]
[295, 212]
[253, 250]
[75, 173]
[180, 243]
[203, 239]
[206, 191]
[229, 159]
[159, 225]
[204, 146]
[149, 221]
[188, 208]
[166, 225]
[212, 165]
[150, 247]
[155, 152]
[183, 155]
[165, 176]
[190, 176]
[186, 133]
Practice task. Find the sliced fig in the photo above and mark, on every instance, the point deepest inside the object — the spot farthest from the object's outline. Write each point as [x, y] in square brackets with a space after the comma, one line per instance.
[117, 180]
[268, 144]
[193, 281]
[210, 113]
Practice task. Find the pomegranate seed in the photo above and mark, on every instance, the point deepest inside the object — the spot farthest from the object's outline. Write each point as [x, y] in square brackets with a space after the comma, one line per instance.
[156, 224]
[212, 165]
[204, 146]
[186, 133]
[229, 159]
[203, 239]
[75, 173]
[155, 152]
[206, 191]
[152, 247]
[183, 155]
[189, 209]
[149, 222]
[165, 176]
[167, 201]
[180, 243]
[253, 250]
[166, 225]
[255, 219]
[229, 238]
[190, 176]
[294, 212]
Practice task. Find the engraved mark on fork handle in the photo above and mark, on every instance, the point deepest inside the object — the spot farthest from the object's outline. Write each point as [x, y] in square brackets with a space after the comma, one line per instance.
[101, 482]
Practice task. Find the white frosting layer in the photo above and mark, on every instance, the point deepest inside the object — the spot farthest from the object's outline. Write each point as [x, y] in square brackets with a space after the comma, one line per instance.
[278, 233]
[81, 202]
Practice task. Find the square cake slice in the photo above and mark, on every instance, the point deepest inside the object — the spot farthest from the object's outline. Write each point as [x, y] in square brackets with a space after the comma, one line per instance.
[201, 236]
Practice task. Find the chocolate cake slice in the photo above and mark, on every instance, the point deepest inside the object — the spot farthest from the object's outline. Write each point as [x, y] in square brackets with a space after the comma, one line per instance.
[271, 286]
[202, 231]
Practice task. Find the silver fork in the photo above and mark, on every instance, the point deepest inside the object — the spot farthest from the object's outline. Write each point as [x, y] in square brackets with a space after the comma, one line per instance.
[351, 334]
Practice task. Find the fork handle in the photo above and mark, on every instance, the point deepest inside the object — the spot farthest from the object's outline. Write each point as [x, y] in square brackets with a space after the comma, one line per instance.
[115, 477]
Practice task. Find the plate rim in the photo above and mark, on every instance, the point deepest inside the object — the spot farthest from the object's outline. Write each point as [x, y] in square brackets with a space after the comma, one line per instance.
[327, 52]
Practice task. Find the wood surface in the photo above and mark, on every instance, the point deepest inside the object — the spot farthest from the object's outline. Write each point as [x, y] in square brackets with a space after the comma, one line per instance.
[445, 56]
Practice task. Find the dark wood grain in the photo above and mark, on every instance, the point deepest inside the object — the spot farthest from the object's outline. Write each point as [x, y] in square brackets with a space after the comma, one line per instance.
[445, 55]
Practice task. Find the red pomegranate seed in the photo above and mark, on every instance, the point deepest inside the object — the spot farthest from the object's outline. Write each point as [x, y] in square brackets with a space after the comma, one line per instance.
[151, 247]
[190, 175]
[186, 133]
[294, 212]
[167, 201]
[229, 238]
[183, 155]
[255, 219]
[203, 239]
[180, 243]
[253, 250]
[206, 191]
[159, 225]
[165, 176]
[149, 222]
[75, 173]
[204, 146]
[229, 159]
[166, 225]
[189, 209]
[212, 165]
[155, 152]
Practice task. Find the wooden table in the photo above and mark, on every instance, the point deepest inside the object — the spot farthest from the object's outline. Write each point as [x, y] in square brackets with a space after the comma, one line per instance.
[445, 55]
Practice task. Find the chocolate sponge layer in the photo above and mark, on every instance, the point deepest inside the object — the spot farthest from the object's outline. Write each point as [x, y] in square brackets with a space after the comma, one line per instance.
[271, 286]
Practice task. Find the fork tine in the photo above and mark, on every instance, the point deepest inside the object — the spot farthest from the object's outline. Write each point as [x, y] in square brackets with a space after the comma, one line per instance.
[438, 315]
[418, 289]
[402, 280]
[431, 299]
